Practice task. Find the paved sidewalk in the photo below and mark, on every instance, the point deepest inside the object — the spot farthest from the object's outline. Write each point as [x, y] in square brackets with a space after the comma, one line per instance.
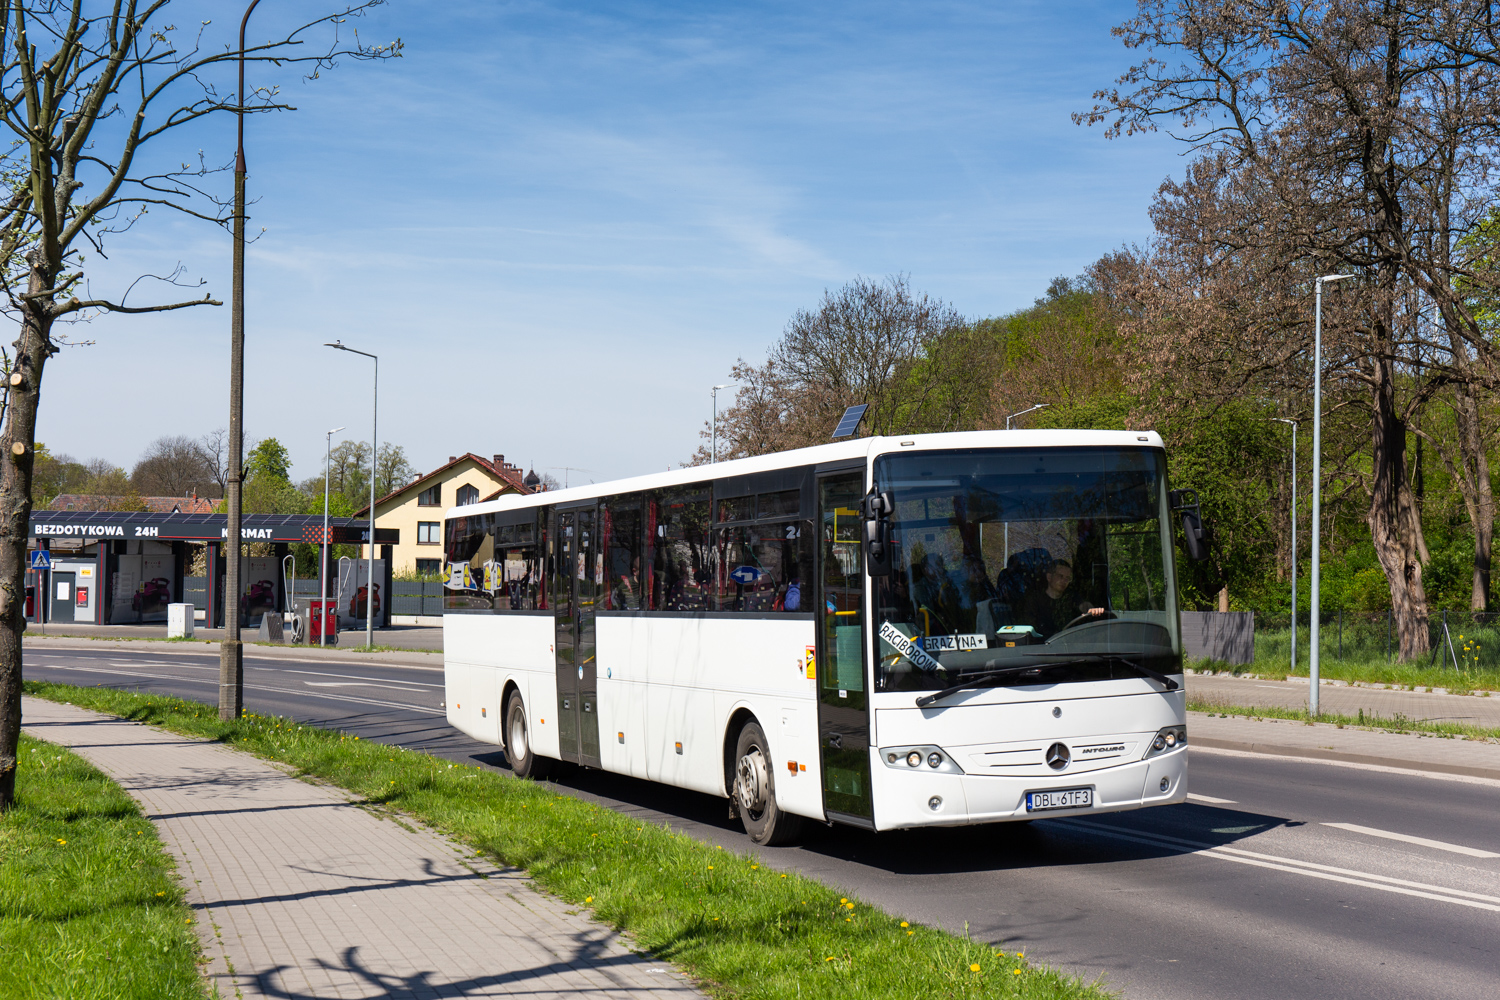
[1289, 738]
[302, 893]
[1345, 699]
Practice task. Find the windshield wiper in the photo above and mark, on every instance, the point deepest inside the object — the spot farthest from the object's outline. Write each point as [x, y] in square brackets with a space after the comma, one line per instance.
[975, 680]
[1140, 668]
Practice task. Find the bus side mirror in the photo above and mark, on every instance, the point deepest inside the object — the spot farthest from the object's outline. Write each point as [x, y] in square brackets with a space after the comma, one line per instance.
[1194, 532]
[877, 514]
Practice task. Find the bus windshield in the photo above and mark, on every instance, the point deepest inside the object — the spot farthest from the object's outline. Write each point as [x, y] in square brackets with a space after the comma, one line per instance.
[1025, 566]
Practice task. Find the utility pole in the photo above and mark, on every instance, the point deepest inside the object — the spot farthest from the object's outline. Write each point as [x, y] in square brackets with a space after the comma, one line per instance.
[231, 649]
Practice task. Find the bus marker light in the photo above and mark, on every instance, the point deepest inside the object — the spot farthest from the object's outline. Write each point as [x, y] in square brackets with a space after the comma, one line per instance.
[802, 767]
[791, 765]
[679, 749]
[622, 737]
[890, 758]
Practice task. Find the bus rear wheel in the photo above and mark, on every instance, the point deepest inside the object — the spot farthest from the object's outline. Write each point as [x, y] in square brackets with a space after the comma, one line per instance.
[755, 791]
[523, 759]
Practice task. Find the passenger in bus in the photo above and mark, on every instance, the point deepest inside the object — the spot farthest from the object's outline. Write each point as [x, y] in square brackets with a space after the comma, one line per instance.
[1049, 607]
[626, 592]
[935, 594]
[687, 592]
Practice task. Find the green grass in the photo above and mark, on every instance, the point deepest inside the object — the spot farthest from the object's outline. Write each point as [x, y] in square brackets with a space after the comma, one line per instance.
[1364, 659]
[1363, 720]
[88, 905]
[743, 929]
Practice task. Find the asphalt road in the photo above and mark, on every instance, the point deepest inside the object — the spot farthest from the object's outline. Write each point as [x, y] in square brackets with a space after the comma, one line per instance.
[1246, 892]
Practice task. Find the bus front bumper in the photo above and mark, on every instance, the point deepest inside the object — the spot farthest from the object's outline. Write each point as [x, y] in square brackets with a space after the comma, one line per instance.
[922, 798]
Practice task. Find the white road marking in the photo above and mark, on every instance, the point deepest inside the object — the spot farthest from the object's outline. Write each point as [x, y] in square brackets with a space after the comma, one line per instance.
[363, 684]
[356, 677]
[1463, 779]
[1472, 852]
[1368, 880]
[1211, 800]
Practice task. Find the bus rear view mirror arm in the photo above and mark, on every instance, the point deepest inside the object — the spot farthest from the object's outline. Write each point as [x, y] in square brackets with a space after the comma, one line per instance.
[1194, 531]
[878, 508]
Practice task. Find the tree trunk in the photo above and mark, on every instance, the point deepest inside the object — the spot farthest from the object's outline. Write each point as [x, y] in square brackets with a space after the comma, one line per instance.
[18, 438]
[1394, 527]
[1224, 600]
[1474, 484]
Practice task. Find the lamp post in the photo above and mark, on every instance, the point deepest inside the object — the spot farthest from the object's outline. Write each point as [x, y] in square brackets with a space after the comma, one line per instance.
[1005, 532]
[1284, 420]
[374, 467]
[1317, 490]
[713, 455]
[231, 650]
[323, 555]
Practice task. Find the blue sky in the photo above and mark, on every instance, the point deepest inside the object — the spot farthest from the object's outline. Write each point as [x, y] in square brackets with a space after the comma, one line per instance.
[559, 224]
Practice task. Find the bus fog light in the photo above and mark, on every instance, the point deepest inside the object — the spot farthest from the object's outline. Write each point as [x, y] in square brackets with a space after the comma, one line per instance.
[1166, 783]
[913, 759]
[935, 803]
[934, 760]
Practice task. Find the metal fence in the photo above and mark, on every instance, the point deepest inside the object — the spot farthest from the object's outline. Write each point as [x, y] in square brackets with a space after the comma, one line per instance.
[409, 598]
[1465, 639]
[195, 591]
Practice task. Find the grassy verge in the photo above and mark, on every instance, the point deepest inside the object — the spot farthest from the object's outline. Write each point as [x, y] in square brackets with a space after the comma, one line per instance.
[745, 930]
[1362, 720]
[1407, 676]
[88, 905]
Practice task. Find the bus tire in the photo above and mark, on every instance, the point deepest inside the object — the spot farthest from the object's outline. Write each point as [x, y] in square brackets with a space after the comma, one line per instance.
[755, 791]
[524, 762]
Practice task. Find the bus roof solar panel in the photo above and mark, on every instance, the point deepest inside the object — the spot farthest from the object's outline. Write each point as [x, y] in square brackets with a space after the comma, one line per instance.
[849, 422]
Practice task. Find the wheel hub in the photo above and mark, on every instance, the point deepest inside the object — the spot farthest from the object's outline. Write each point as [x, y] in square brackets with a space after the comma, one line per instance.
[752, 782]
[518, 738]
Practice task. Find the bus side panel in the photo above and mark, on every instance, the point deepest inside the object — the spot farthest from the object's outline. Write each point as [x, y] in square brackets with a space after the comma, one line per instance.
[622, 695]
[679, 706]
[480, 653]
[760, 664]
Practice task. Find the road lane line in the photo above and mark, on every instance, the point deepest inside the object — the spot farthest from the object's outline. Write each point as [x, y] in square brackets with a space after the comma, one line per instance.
[1368, 880]
[1472, 852]
[357, 677]
[1211, 800]
[363, 684]
[261, 688]
[1463, 779]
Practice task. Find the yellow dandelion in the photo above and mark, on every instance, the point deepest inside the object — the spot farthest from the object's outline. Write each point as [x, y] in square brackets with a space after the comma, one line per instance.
[1015, 972]
[588, 899]
[754, 867]
[161, 894]
[828, 959]
[910, 933]
[848, 920]
[905, 924]
[62, 841]
[710, 867]
[974, 967]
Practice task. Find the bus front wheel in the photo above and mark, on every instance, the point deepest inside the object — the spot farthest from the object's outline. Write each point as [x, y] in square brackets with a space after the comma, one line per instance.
[523, 759]
[755, 791]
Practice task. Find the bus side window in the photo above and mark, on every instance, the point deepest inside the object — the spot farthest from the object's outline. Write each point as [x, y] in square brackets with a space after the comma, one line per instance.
[624, 568]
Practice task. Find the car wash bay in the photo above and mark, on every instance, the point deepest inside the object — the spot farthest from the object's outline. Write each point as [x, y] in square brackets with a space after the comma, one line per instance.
[125, 567]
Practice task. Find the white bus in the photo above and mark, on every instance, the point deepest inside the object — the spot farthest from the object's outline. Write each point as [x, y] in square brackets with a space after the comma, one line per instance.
[935, 630]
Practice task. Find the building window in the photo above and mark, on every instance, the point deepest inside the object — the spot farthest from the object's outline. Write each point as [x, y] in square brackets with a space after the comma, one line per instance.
[467, 495]
[429, 532]
[429, 567]
[431, 497]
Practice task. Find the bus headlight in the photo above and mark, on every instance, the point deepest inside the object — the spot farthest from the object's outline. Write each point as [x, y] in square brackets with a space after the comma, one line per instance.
[910, 758]
[1167, 739]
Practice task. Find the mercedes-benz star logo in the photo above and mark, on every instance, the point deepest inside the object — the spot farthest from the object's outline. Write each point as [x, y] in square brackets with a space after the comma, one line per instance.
[1058, 756]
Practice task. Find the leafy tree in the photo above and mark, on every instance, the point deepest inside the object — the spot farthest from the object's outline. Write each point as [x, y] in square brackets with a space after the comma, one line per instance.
[269, 458]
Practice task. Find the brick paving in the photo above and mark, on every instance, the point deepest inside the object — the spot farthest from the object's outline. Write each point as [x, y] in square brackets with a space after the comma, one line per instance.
[301, 893]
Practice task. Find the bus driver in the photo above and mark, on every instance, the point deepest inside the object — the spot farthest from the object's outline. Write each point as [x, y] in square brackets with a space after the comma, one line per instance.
[1049, 607]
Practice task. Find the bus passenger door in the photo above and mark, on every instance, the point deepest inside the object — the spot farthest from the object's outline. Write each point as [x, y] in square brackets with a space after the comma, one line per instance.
[588, 586]
[565, 617]
[843, 702]
[576, 587]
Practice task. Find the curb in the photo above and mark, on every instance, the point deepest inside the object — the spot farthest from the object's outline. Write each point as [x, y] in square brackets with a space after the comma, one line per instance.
[429, 659]
[1274, 750]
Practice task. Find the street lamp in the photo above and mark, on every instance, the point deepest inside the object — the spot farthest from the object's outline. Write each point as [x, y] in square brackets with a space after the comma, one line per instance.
[374, 466]
[1317, 490]
[1023, 413]
[1284, 420]
[1005, 546]
[231, 650]
[323, 556]
[713, 455]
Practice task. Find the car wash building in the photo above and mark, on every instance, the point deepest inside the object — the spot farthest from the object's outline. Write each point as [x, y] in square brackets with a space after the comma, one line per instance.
[125, 567]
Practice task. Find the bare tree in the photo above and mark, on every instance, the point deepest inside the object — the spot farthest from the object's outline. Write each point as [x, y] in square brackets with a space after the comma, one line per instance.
[174, 466]
[863, 344]
[89, 90]
[213, 449]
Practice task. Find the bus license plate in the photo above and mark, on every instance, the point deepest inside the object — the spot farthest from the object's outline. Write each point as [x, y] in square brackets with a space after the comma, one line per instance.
[1061, 798]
